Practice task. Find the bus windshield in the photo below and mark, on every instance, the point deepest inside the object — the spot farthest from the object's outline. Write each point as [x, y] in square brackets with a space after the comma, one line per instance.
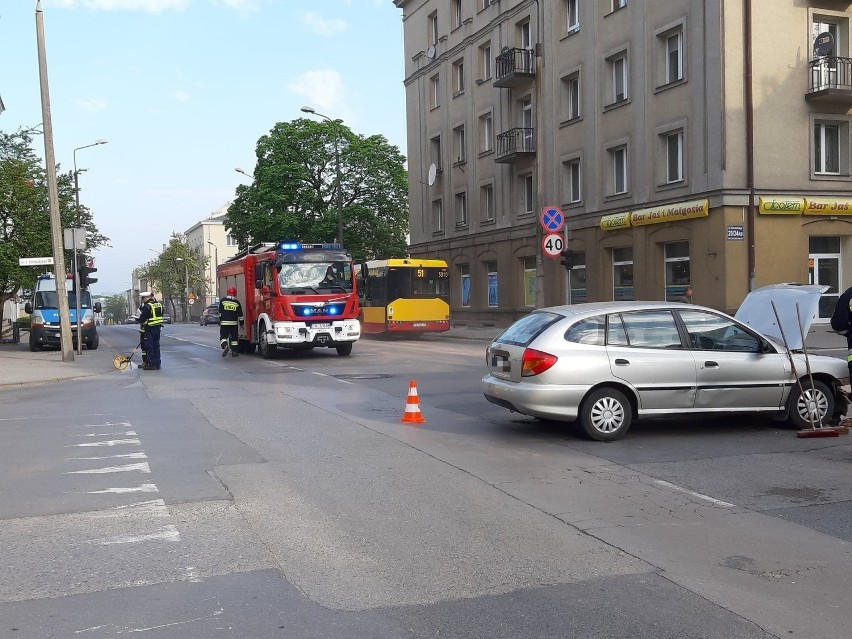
[418, 282]
[315, 277]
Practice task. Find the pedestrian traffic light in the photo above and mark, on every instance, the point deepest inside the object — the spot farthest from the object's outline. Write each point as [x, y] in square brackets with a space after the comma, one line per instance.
[85, 267]
[567, 259]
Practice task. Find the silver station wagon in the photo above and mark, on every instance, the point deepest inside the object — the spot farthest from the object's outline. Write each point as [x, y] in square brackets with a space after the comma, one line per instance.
[609, 363]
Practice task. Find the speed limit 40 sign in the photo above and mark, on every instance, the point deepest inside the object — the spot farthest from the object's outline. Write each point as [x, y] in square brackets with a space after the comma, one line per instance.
[552, 244]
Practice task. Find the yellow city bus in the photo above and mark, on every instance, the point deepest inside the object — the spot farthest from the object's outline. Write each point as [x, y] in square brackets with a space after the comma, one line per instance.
[406, 295]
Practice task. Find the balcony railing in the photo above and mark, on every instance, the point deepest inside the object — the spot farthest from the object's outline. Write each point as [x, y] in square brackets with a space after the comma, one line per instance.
[830, 80]
[515, 145]
[515, 67]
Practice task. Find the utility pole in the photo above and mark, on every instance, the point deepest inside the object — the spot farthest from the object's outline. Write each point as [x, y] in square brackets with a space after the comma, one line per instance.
[66, 341]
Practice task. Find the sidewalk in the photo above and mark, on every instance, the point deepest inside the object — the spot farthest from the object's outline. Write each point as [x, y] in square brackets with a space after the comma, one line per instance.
[20, 367]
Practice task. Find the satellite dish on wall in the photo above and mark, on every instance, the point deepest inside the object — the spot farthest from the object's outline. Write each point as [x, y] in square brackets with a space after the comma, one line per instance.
[433, 173]
[823, 44]
[430, 52]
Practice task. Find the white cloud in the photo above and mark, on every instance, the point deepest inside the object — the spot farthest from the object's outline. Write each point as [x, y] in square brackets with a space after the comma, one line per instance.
[322, 89]
[322, 26]
[243, 6]
[181, 96]
[92, 105]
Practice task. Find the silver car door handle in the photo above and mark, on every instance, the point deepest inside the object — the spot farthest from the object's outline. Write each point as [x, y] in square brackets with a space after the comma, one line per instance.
[621, 362]
[711, 364]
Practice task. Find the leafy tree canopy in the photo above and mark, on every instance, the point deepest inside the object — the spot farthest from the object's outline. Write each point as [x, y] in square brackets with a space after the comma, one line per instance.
[25, 213]
[168, 273]
[294, 192]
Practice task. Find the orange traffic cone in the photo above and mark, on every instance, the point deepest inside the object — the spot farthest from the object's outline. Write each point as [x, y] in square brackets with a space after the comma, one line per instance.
[412, 413]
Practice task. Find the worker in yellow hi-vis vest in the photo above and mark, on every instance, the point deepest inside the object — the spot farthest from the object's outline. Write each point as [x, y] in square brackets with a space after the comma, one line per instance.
[230, 316]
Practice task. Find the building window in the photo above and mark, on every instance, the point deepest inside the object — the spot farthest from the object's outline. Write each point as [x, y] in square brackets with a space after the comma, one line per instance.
[827, 149]
[486, 133]
[618, 170]
[674, 57]
[622, 274]
[230, 240]
[527, 194]
[491, 274]
[464, 277]
[435, 152]
[573, 181]
[485, 61]
[617, 67]
[437, 216]
[486, 202]
[577, 278]
[529, 282]
[458, 77]
[457, 13]
[674, 156]
[572, 14]
[676, 256]
[525, 35]
[461, 209]
[459, 150]
[435, 91]
[433, 28]
[571, 97]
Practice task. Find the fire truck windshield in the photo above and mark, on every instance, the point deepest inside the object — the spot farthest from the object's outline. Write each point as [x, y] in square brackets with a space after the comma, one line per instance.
[315, 276]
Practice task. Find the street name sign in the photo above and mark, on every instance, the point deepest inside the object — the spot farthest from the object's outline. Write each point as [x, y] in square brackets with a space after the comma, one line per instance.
[35, 261]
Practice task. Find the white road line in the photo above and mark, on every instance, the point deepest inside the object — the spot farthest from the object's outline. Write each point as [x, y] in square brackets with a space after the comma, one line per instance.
[129, 433]
[109, 442]
[189, 341]
[153, 508]
[142, 468]
[166, 533]
[143, 488]
[122, 424]
[125, 456]
[715, 502]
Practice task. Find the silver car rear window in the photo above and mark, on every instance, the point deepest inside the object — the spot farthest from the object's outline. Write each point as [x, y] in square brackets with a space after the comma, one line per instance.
[587, 331]
[526, 329]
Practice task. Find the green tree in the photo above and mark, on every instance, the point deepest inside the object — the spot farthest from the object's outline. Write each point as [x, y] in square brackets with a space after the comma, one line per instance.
[25, 214]
[170, 270]
[294, 192]
[115, 308]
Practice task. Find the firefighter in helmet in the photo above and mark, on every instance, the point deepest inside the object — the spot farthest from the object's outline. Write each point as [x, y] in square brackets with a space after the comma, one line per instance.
[230, 315]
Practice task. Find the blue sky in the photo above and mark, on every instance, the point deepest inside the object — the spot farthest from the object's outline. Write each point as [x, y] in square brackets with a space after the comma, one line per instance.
[182, 90]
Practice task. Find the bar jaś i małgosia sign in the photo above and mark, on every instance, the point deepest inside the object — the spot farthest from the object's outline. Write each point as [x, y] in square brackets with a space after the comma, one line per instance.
[805, 205]
[657, 215]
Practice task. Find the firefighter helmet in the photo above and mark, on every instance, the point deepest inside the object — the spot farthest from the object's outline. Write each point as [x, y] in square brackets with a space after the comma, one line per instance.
[232, 291]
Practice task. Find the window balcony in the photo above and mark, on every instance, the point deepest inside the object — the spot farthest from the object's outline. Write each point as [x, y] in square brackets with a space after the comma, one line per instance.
[515, 145]
[515, 68]
[830, 80]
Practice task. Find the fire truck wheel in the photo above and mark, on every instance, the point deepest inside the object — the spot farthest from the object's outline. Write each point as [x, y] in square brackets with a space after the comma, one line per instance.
[267, 350]
[344, 349]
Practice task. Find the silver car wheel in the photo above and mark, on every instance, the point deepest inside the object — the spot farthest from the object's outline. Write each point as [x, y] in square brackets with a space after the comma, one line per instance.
[812, 406]
[606, 414]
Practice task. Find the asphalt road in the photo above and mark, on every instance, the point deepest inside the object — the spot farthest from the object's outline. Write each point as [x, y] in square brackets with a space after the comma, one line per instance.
[252, 498]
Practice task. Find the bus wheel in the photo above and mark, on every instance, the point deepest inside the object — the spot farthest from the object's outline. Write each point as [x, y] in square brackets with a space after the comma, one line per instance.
[267, 350]
[344, 349]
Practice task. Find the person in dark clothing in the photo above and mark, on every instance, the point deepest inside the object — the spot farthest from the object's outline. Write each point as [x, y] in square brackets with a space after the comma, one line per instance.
[686, 298]
[151, 322]
[230, 315]
[144, 299]
[841, 322]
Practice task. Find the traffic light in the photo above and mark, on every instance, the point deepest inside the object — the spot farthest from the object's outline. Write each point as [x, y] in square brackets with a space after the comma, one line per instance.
[85, 267]
[567, 259]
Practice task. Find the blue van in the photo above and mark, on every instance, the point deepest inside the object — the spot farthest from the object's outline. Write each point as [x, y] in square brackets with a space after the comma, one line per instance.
[44, 311]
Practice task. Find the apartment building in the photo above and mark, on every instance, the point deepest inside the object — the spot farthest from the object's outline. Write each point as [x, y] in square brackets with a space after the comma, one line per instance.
[684, 142]
[210, 239]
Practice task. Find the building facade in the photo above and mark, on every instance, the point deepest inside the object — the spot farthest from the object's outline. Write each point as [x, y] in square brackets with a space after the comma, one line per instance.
[210, 239]
[684, 142]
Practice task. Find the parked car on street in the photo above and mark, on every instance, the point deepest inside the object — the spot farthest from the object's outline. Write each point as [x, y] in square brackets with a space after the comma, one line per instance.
[167, 319]
[210, 315]
[608, 363]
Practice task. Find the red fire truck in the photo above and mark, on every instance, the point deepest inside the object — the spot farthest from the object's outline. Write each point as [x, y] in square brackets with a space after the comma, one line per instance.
[294, 295]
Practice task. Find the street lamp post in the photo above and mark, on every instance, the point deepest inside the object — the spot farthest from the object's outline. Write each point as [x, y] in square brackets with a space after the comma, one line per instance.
[215, 268]
[186, 293]
[338, 184]
[76, 225]
[248, 175]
